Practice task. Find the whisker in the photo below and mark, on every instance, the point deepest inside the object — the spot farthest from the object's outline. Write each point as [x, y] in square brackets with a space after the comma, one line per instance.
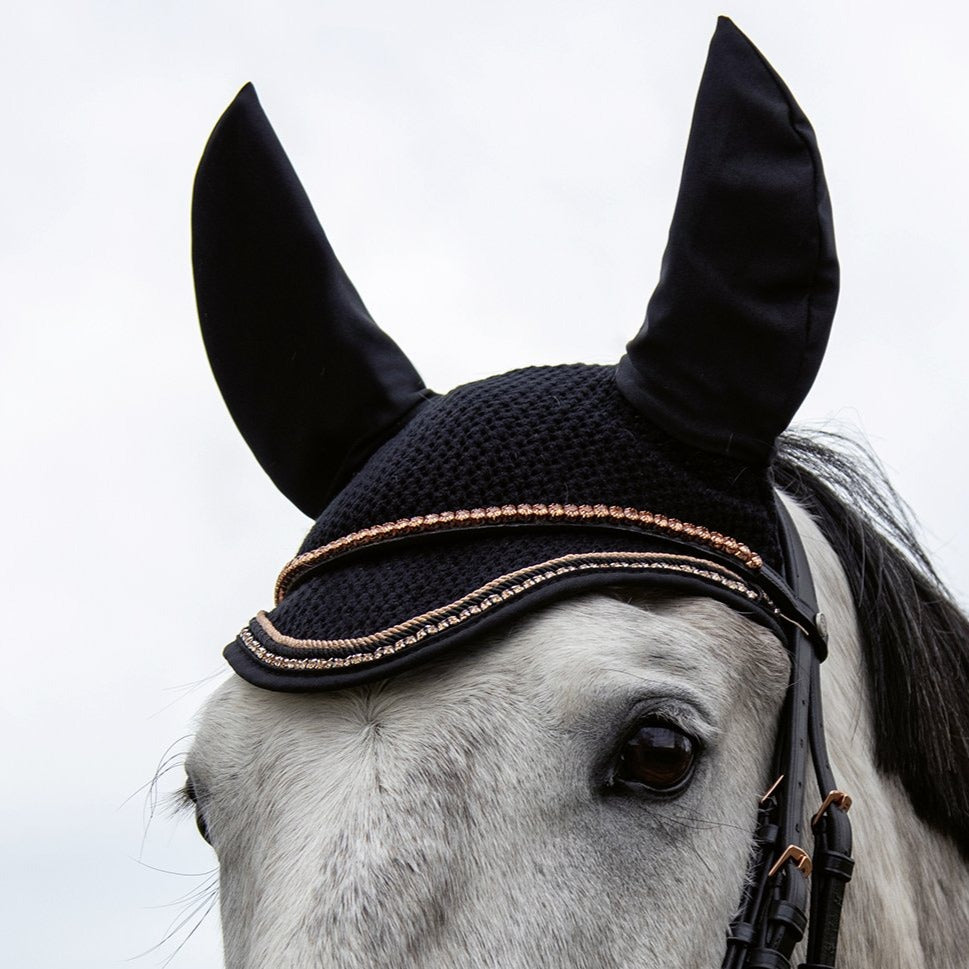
[200, 893]
[169, 761]
[703, 860]
[696, 822]
[186, 690]
[192, 932]
[180, 874]
[164, 765]
[203, 899]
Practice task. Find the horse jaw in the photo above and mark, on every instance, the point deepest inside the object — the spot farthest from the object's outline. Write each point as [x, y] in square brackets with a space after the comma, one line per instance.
[455, 815]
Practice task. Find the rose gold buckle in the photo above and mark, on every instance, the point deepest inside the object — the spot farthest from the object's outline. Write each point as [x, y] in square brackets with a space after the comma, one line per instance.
[800, 856]
[770, 790]
[838, 799]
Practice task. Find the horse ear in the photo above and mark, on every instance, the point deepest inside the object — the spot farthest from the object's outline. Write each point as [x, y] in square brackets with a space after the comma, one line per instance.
[738, 324]
[310, 380]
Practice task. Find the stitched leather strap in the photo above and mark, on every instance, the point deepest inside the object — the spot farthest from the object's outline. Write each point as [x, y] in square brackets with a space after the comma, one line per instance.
[772, 914]
[832, 862]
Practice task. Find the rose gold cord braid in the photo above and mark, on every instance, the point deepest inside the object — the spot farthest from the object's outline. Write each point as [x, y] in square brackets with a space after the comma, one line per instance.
[506, 514]
[390, 641]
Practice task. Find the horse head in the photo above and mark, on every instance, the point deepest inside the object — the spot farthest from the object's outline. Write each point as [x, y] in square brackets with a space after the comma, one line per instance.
[529, 678]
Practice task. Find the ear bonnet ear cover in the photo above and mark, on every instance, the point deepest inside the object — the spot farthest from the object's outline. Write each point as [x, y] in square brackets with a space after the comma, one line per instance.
[737, 326]
[502, 495]
[312, 383]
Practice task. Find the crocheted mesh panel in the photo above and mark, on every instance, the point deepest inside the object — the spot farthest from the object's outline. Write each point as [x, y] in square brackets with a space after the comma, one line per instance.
[548, 434]
[539, 435]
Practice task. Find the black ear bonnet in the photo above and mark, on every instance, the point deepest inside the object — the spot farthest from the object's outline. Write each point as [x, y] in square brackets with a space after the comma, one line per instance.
[439, 517]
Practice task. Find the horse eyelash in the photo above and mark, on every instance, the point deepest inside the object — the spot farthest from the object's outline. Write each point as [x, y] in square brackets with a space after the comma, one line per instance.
[185, 798]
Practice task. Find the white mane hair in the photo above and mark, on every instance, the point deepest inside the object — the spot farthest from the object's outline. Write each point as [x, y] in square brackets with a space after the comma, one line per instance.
[459, 814]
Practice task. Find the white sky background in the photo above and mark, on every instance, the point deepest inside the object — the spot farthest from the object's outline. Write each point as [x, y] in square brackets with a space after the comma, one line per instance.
[498, 180]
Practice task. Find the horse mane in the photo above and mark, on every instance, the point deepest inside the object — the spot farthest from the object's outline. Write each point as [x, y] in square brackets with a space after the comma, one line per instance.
[914, 637]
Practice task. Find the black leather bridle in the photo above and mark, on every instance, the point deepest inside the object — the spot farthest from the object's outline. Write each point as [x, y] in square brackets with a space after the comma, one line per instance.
[784, 883]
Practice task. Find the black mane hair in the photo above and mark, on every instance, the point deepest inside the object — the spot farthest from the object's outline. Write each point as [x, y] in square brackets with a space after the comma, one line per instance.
[914, 637]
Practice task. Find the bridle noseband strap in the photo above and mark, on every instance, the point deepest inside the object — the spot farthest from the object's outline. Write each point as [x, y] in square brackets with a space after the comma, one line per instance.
[773, 911]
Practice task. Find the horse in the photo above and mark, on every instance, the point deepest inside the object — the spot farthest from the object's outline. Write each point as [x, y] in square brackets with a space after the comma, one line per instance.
[568, 767]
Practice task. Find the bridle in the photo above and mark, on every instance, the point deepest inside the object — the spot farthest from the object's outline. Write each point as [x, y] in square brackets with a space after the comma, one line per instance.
[775, 904]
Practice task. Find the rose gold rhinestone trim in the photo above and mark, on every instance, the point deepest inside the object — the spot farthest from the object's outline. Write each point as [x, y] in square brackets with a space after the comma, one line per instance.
[505, 514]
[397, 638]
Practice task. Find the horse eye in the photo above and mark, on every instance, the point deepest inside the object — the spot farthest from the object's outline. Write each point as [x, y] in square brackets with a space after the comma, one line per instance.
[658, 756]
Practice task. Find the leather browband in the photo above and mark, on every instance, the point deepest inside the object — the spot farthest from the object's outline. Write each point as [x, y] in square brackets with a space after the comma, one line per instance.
[773, 911]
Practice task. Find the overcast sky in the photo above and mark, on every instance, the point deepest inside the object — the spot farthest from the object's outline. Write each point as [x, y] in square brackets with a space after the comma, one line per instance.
[498, 180]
